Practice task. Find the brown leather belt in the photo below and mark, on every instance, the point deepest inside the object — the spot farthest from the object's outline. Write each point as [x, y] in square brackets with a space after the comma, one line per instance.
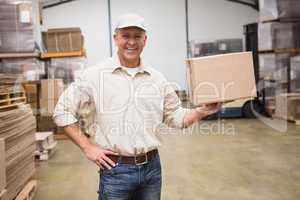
[140, 159]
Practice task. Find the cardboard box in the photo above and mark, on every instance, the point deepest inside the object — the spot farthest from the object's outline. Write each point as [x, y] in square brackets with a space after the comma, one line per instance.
[65, 68]
[278, 9]
[31, 92]
[16, 16]
[63, 40]
[14, 42]
[51, 88]
[2, 165]
[45, 123]
[288, 106]
[3, 195]
[47, 106]
[221, 78]
[276, 35]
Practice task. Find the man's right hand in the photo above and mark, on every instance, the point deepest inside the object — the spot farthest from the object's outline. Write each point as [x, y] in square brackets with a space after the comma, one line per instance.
[99, 156]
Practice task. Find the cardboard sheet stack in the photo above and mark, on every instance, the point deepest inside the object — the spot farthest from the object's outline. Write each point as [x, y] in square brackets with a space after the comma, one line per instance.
[16, 26]
[17, 131]
[31, 68]
[63, 40]
[295, 74]
[67, 68]
[278, 43]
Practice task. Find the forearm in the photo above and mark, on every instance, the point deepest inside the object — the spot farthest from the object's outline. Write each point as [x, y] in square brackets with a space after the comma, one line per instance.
[192, 117]
[75, 133]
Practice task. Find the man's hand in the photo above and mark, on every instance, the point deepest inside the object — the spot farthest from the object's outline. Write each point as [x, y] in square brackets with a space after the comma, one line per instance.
[208, 109]
[200, 112]
[99, 156]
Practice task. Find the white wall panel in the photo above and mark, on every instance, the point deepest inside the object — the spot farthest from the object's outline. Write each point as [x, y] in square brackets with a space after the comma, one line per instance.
[216, 19]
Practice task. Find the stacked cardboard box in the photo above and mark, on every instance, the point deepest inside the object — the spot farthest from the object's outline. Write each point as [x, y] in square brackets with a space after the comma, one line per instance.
[279, 41]
[63, 40]
[229, 45]
[277, 35]
[68, 68]
[275, 66]
[51, 89]
[17, 131]
[31, 68]
[295, 74]
[288, 106]
[16, 26]
[218, 78]
[222, 46]
[279, 10]
[32, 89]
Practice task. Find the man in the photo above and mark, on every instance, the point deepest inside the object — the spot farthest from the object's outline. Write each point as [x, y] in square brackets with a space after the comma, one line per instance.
[132, 100]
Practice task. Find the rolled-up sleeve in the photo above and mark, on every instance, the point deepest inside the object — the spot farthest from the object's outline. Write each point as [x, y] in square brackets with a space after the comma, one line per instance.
[68, 105]
[173, 111]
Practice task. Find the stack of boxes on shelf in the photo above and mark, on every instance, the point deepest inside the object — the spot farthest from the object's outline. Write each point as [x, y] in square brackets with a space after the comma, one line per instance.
[19, 35]
[63, 40]
[279, 48]
[16, 26]
[64, 62]
[222, 46]
[17, 138]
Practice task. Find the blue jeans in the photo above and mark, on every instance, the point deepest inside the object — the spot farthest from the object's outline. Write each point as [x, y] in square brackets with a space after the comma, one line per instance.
[131, 182]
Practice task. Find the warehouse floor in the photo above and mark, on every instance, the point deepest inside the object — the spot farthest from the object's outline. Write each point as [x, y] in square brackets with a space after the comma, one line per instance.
[238, 159]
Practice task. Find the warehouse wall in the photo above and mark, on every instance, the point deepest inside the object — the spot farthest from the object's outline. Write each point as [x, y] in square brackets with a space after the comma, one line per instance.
[216, 19]
[166, 48]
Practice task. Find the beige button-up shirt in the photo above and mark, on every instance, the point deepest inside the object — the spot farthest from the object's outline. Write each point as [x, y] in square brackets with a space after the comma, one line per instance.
[128, 109]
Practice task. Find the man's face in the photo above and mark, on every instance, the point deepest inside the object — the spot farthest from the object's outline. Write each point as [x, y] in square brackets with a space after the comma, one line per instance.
[130, 42]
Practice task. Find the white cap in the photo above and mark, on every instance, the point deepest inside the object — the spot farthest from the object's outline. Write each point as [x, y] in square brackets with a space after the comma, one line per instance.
[128, 20]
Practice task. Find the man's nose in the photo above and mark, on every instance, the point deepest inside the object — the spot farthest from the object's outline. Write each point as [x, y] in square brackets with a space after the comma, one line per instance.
[131, 41]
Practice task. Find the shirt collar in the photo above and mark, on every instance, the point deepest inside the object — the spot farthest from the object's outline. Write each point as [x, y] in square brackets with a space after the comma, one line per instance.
[117, 65]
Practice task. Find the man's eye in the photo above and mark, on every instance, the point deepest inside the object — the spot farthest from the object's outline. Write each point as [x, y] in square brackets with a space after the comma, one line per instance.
[125, 36]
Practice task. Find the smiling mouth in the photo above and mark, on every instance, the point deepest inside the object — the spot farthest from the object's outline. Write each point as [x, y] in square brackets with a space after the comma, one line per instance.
[131, 50]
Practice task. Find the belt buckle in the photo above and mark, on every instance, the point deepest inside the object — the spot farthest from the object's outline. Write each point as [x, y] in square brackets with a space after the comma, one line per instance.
[143, 162]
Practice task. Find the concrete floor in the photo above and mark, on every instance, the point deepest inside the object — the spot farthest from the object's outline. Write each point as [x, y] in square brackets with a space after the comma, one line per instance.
[238, 159]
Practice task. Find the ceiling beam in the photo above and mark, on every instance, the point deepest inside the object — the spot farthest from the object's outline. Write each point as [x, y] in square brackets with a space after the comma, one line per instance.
[59, 2]
[253, 5]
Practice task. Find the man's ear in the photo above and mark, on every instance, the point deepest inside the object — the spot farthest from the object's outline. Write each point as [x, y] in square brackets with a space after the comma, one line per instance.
[146, 39]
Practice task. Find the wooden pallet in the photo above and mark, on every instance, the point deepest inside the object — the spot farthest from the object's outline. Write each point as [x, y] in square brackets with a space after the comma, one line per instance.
[12, 99]
[28, 191]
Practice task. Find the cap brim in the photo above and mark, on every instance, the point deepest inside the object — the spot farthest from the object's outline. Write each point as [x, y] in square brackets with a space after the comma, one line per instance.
[131, 25]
